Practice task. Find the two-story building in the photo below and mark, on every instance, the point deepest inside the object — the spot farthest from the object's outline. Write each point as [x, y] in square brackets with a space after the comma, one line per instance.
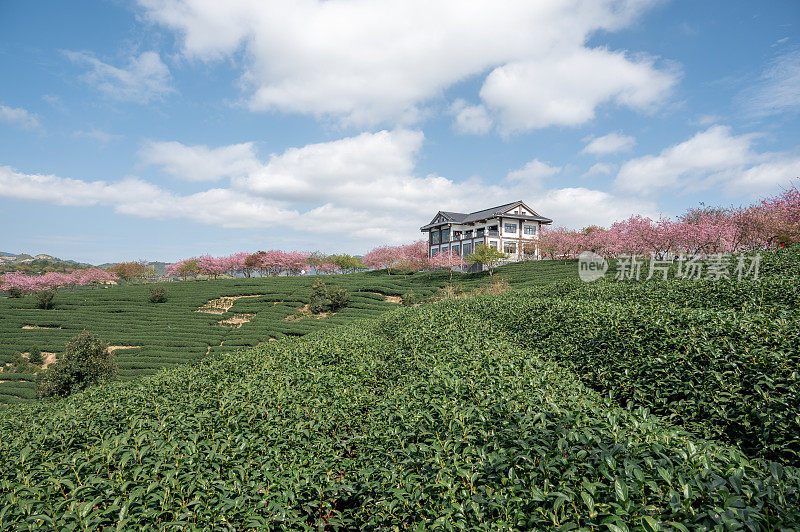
[512, 228]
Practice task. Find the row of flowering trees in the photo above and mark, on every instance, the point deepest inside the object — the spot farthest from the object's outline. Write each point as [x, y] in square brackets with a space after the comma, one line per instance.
[703, 230]
[25, 284]
[275, 262]
[411, 257]
[264, 263]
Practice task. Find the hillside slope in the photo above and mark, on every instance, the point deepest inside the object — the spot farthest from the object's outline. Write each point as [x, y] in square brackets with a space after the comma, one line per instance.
[174, 332]
[427, 418]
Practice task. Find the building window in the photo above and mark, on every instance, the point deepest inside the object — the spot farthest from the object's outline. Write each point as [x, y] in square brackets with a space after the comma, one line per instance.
[468, 234]
[529, 229]
[493, 243]
[493, 230]
[434, 237]
[510, 247]
[456, 235]
[467, 249]
[510, 228]
[445, 235]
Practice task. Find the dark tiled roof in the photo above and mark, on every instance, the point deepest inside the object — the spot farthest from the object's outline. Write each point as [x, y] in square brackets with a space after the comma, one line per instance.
[462, 218]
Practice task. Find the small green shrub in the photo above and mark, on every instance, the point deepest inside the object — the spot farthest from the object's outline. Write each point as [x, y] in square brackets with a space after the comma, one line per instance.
[44, 299]
[158, 295]
[337, 297]
[324, 299]
[35, 356]
[20, 364]
[14, 292]
[408, 299]
[319, 298]
[86, 362]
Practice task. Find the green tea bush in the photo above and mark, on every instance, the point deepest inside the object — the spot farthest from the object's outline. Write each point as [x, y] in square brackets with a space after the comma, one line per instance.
[44, 299]
[158, 294]
[408, 299]
[319, 298]
[20, 365]
[722, 374]
[326, 298]
[35, 355]
[86, 362]
[337, 297]
[425, 419]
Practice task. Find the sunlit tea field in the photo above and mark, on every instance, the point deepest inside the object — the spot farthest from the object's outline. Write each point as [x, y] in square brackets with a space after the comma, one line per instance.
[184, 328]
[661, 405]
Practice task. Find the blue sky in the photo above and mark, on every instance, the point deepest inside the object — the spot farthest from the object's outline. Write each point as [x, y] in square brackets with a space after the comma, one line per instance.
[161, 129]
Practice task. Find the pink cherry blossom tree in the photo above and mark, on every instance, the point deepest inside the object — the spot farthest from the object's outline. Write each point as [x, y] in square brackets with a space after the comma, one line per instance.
[212, 266]
[447, 260]
[383, 257]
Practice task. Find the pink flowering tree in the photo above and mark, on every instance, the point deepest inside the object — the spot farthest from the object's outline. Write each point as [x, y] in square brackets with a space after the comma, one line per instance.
[447, 260]
[414, 256]
[383, 257]
[183, 268]
[212, 266]
[784, 216]
[94, 277]
[238, 264]
[294, 262]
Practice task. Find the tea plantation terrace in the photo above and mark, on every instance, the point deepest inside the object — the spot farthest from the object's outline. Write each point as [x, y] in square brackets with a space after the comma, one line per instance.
[150, 336]
[610, 406]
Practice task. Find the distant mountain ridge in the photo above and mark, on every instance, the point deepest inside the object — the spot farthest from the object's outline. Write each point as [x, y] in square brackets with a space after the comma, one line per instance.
[41, 263]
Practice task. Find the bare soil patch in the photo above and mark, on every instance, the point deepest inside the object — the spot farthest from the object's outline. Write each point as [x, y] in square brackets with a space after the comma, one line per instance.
[47, 359]
[222, 305]
[394, 299]
[39, 327]
[208, 349]
[304, 312]
[113, 348]
[236, 321]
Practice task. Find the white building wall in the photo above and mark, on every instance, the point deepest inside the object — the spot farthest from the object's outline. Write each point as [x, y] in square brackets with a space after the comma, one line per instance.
[519, 237]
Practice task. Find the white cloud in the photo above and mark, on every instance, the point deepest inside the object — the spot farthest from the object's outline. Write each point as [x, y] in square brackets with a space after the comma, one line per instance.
[200, 163]
[611, 143]
[565, 89]
[134, 197]
[533, 172]
[72, 192]
[600, 169]
[779, 170]
[577, 207]
[778, 90]
[378, 62]
[19, 117]
[146, 78]
[367, 168]
[711, 158]
[470, 119]
[362, 187]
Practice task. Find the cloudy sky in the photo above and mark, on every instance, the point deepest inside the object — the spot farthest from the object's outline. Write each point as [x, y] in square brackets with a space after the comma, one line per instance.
[161, 129]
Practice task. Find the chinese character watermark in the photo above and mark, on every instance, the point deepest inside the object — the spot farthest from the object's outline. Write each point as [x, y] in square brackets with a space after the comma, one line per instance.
[719, 266]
